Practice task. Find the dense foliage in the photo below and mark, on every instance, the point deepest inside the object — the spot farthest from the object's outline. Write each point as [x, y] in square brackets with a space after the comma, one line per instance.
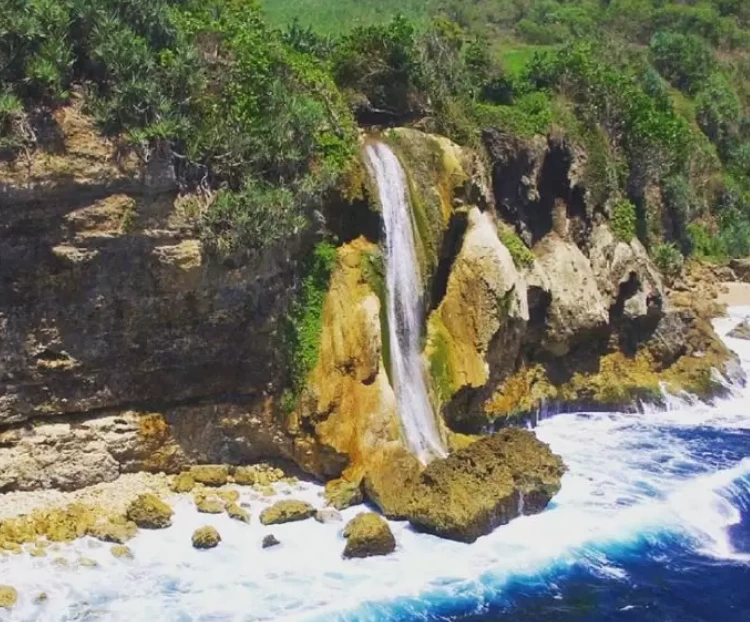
[261, 114]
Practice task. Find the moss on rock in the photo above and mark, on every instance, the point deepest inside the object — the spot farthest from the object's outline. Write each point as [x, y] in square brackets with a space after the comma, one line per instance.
[210, 474]
[342, 493]
[8, 596]
[286, 511]
[367, 535]
[149, 512]
[237, 513]
[183, 483]
[206, 538]
[476, 489]
[115, 529]
[209, 504]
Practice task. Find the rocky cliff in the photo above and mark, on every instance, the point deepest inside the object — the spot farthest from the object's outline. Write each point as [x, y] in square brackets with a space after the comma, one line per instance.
[126, 347]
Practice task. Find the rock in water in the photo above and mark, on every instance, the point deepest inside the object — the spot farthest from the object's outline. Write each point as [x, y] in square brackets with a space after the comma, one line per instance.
[367, 535]
[742, 330]
[117, 530]
[485, 485]
[206, 538]
[209, 505]
[210, 474]
[184, 482]
[328, 515]
[121, 552]
[237, 513]
[341, 493]
[286, 512]
[8, 596]
[149, 512]
[269, 541]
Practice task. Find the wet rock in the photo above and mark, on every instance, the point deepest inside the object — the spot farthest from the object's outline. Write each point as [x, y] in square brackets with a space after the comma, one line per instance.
[149, 512]
[342, 493]
[209, 505]
[86, 562]
[269, 541]
[487, 484]
[41, 598]
[121, 552]
[118, 530]
[328, 515]
[286, 512]
[182, 483]
[237, 513]
[210, 474]
[368, 535]
[8, 596]
[245, 475]
[741, 331]
[228, 496]
[206, 538]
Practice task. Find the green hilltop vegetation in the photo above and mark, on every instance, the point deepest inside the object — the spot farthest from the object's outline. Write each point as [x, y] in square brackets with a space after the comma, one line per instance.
[260, 102]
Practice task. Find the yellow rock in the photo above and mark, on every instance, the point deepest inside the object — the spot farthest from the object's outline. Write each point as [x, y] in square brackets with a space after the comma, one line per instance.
[182, 483]
[85, 562]
[228, 496]
[236, 512]
[8, 596]
[210, 474]
[286, 511]
[121, 552]
[115, 529]
[209, 505]
[206, 538]
[150, 512]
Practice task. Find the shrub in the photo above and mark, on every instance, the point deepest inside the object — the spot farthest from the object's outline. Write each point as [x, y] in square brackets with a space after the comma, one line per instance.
[521, 254]
[624, 221]
[668, 259]
[719, 113]
[683, 59]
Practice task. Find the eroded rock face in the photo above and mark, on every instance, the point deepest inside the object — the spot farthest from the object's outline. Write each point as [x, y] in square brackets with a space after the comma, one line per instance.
[475, 334]
[368, 535]
[487, 484]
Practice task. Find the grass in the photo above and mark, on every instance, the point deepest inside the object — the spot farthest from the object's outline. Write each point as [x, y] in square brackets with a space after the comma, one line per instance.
[334, 18]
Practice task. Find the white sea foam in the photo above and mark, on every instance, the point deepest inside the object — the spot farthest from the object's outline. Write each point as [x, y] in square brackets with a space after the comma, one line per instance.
[633, 479]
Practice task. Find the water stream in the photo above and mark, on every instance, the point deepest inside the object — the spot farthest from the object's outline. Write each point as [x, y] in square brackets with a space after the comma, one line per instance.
[404, 300]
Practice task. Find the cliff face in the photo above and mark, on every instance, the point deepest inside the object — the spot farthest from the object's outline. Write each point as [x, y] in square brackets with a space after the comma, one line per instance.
[124, 347]
[109, 310]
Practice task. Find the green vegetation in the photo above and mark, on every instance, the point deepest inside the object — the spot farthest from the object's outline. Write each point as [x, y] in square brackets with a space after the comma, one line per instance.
[305, 320]
[624, 222]
[668, 259]
[521, 254]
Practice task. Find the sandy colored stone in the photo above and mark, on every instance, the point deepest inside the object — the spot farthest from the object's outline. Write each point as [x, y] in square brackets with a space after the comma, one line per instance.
[183, 483]
[237, 513]
[121, 551]
[210, 474]
[206, 538]
[342, 493]
[85, 562]
[228, 495]
[209, 505]
[245, 475]
[286, 511]
[328, 515]
[8, 596]
[116, 529]
[150, 512]
[367, 535]
[487, 484]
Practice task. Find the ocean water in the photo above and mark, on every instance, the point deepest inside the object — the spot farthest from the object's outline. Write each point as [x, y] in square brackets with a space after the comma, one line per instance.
[652, 524]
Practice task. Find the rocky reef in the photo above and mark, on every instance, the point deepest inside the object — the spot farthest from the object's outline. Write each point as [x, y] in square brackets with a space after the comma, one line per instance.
[126, 347]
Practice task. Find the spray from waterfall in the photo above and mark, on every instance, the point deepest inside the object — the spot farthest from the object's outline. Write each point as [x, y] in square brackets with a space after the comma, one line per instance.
[403, 292]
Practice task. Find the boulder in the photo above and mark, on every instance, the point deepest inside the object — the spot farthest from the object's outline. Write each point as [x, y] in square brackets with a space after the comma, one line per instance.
[368, 535]
[206, 538]
[210, 474]
[741, 269]
[149, 512]
[487, 484]
[184, 482]
[245, 475]
[121, 552]
[237, 513]
[286, 511]
[269, 541]
[8, 596]
[741, 331]
[209, 505]
[342, 493]
[328, 515]
[228, 495]
[118, 530]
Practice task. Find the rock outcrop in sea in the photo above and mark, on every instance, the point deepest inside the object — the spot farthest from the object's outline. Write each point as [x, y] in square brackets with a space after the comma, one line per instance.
[126, 347]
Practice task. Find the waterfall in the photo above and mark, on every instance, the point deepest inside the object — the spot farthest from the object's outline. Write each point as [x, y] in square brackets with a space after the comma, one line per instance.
[404, 302]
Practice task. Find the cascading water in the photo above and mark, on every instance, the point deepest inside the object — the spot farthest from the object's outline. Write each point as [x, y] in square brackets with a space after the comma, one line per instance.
[404, 290]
